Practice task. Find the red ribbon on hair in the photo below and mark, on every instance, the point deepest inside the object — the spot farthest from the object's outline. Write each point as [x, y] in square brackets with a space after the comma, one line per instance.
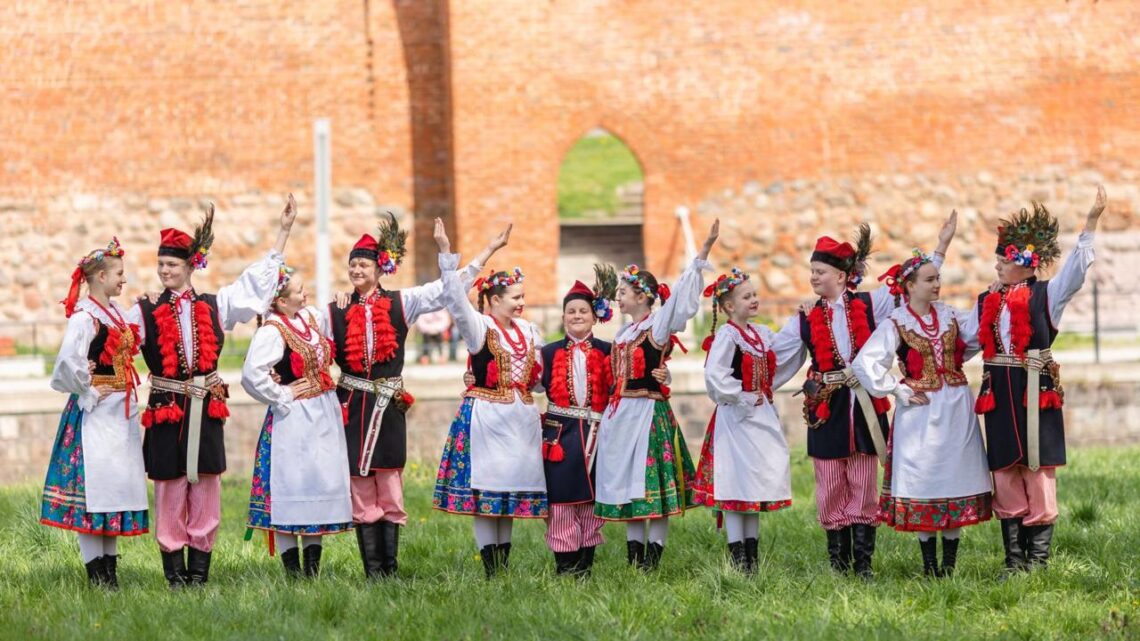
[663, 292]
[73, 292]
[891, 279]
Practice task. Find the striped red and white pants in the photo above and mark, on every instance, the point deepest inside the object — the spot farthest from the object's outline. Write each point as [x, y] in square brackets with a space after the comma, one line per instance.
[846, 492]
[188, 514]
[573, 527]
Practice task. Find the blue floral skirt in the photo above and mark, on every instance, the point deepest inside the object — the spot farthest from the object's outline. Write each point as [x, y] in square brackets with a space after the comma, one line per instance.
[259, 493]
[64, 502]
[453, 492]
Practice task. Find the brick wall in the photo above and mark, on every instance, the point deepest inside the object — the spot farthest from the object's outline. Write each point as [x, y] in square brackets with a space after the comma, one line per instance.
[465, 110]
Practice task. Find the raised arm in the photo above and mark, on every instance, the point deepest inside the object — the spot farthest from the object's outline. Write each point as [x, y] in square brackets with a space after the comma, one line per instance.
[882, 301]
[1071, 277]
[428, 297]
[686, 296]
[251, 294]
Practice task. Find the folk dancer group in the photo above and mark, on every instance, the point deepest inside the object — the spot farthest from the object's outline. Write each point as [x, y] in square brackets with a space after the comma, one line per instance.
[608, 447]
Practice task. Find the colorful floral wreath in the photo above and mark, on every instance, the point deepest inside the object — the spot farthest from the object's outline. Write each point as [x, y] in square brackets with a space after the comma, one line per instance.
[389, 261]
[1026, 257]
[499, 279]
[632, 277]
[896, 275]
[112, 250]
[284, 273]
[725, 283]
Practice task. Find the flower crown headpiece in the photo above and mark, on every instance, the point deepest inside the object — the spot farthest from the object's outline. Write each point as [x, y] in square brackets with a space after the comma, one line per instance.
[112, 250]
[634, 278]
[284, 273]
[897, 274]
[725, 283]
[499, 279]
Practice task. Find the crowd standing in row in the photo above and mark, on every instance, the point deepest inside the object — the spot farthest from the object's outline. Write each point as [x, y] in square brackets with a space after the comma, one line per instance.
[331, 453]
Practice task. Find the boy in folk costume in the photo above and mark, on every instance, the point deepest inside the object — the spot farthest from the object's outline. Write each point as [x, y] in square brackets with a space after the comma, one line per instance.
[744, 467]
[847, 428]
[1021, 392]
[577, 377]
[96, 484]
[369, 329]
[182, 335]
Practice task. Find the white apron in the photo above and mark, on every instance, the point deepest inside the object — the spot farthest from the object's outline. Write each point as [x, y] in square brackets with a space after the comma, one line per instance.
[113, 473]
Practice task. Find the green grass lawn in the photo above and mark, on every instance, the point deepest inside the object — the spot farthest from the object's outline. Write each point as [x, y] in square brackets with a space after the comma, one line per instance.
[1091, 589]
[591, 173]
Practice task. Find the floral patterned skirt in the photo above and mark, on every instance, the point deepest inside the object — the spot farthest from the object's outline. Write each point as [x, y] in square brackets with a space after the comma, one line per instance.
[64, 502]
[260, 498]
[669, 474]
[453, 492]
[930, 515]
[704, 483]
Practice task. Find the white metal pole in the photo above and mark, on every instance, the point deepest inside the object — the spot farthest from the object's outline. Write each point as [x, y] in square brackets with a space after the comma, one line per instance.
[322, 192]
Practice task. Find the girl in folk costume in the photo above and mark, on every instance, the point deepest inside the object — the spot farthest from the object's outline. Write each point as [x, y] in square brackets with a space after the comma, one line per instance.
[491, 466]
[847, 427]
[645, 473]
[1021, 394]
[744, 468]
[182, 335]
[300, 472]
[935, 478]
[369, 329]
[96, 484]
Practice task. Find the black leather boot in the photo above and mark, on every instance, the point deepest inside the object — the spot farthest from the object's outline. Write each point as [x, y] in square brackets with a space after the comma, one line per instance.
[1013, 538]
[635, 553]
[291, 559]
[949, 556]
[389, 547]
[197, 566]
[174, 568]
[1040, 540]
[111, 571]
[738, 556]
[585, 561]
[839, 549]
[311, 555]
[95, 572]
[565, 562]
[490, 561]
[503, 555]
[863, 550]
[368, 542]
[929, 549]
[751, 547]
[653, 553]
